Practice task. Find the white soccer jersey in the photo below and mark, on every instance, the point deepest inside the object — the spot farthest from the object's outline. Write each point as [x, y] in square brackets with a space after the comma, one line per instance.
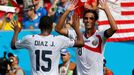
[90, 57]
[44, 52]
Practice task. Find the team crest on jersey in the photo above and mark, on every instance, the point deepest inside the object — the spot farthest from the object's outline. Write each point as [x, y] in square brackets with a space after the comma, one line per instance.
[95, 42]
[87, 40]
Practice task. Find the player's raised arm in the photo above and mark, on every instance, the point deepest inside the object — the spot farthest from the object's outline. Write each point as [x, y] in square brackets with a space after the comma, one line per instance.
[59, 27]
[113, 25]
[16, 29]
[75, 26]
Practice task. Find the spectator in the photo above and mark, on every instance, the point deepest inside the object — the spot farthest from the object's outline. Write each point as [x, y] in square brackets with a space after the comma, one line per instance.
[31, 20]
[5, 23]
[4, 2]
[107, 71]
[6, 16]
[88, 4]
[47, 4]
[13, 67]
[53, 8]
[67, 67]
[40, 11]
[61, 8]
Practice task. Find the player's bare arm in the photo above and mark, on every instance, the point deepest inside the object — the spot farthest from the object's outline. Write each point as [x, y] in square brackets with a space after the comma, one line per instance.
[113, 26]
[59, 27]
[16, 29]
[75, 26]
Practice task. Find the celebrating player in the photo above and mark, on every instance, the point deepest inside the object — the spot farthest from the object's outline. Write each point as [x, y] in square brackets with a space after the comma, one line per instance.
[45, 48]
[90, 57]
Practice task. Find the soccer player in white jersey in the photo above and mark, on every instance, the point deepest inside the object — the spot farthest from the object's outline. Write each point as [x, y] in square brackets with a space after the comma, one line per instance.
[45, 48]
[90, 57]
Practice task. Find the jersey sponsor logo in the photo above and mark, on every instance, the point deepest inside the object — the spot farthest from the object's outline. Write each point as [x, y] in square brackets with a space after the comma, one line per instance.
[87, 40]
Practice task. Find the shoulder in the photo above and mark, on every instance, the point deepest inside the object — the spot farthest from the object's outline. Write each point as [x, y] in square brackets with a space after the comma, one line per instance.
[72, 66]
[27, 37]
[100, 32]
[60, 37]
[19, 71]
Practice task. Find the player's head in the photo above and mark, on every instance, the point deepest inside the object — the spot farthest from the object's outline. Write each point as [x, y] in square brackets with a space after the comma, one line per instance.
[65, 55]
[89, 18]
[46, 24]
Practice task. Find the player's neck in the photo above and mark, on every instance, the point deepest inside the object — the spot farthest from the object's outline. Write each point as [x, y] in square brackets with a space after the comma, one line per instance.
[44, 34]
[89, 32]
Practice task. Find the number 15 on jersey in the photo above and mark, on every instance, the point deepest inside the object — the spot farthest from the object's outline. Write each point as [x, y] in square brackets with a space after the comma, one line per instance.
[41, 55]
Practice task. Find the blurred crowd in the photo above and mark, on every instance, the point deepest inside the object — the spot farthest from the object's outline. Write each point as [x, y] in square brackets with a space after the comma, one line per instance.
[28, 12]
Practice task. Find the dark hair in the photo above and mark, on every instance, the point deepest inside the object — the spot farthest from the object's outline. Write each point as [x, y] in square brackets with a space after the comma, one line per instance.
[104, 62]
[46, 23]
[91, 11]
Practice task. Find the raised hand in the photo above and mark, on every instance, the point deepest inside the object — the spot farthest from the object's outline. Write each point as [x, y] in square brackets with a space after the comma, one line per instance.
[103, 4]
[72, 5]
[15, 26]
[76, 20]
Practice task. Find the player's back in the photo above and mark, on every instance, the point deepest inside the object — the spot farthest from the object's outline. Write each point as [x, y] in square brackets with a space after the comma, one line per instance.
[45, 53]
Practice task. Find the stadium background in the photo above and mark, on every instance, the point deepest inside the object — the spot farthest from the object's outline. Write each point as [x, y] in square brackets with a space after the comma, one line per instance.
[119, 55]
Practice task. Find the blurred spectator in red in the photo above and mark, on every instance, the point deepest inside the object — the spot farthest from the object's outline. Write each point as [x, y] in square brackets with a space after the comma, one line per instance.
[3, 2]
[8, 15]
[18, 10]
[52, 8]
[5, 23]
[85, 5]
[12, 3]
[20, 13]
[47, 4]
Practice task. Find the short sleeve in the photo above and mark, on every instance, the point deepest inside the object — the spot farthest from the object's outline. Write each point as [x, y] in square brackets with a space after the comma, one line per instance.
[101, 33]
[66, 42]
[24, 43]
[71, 34]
